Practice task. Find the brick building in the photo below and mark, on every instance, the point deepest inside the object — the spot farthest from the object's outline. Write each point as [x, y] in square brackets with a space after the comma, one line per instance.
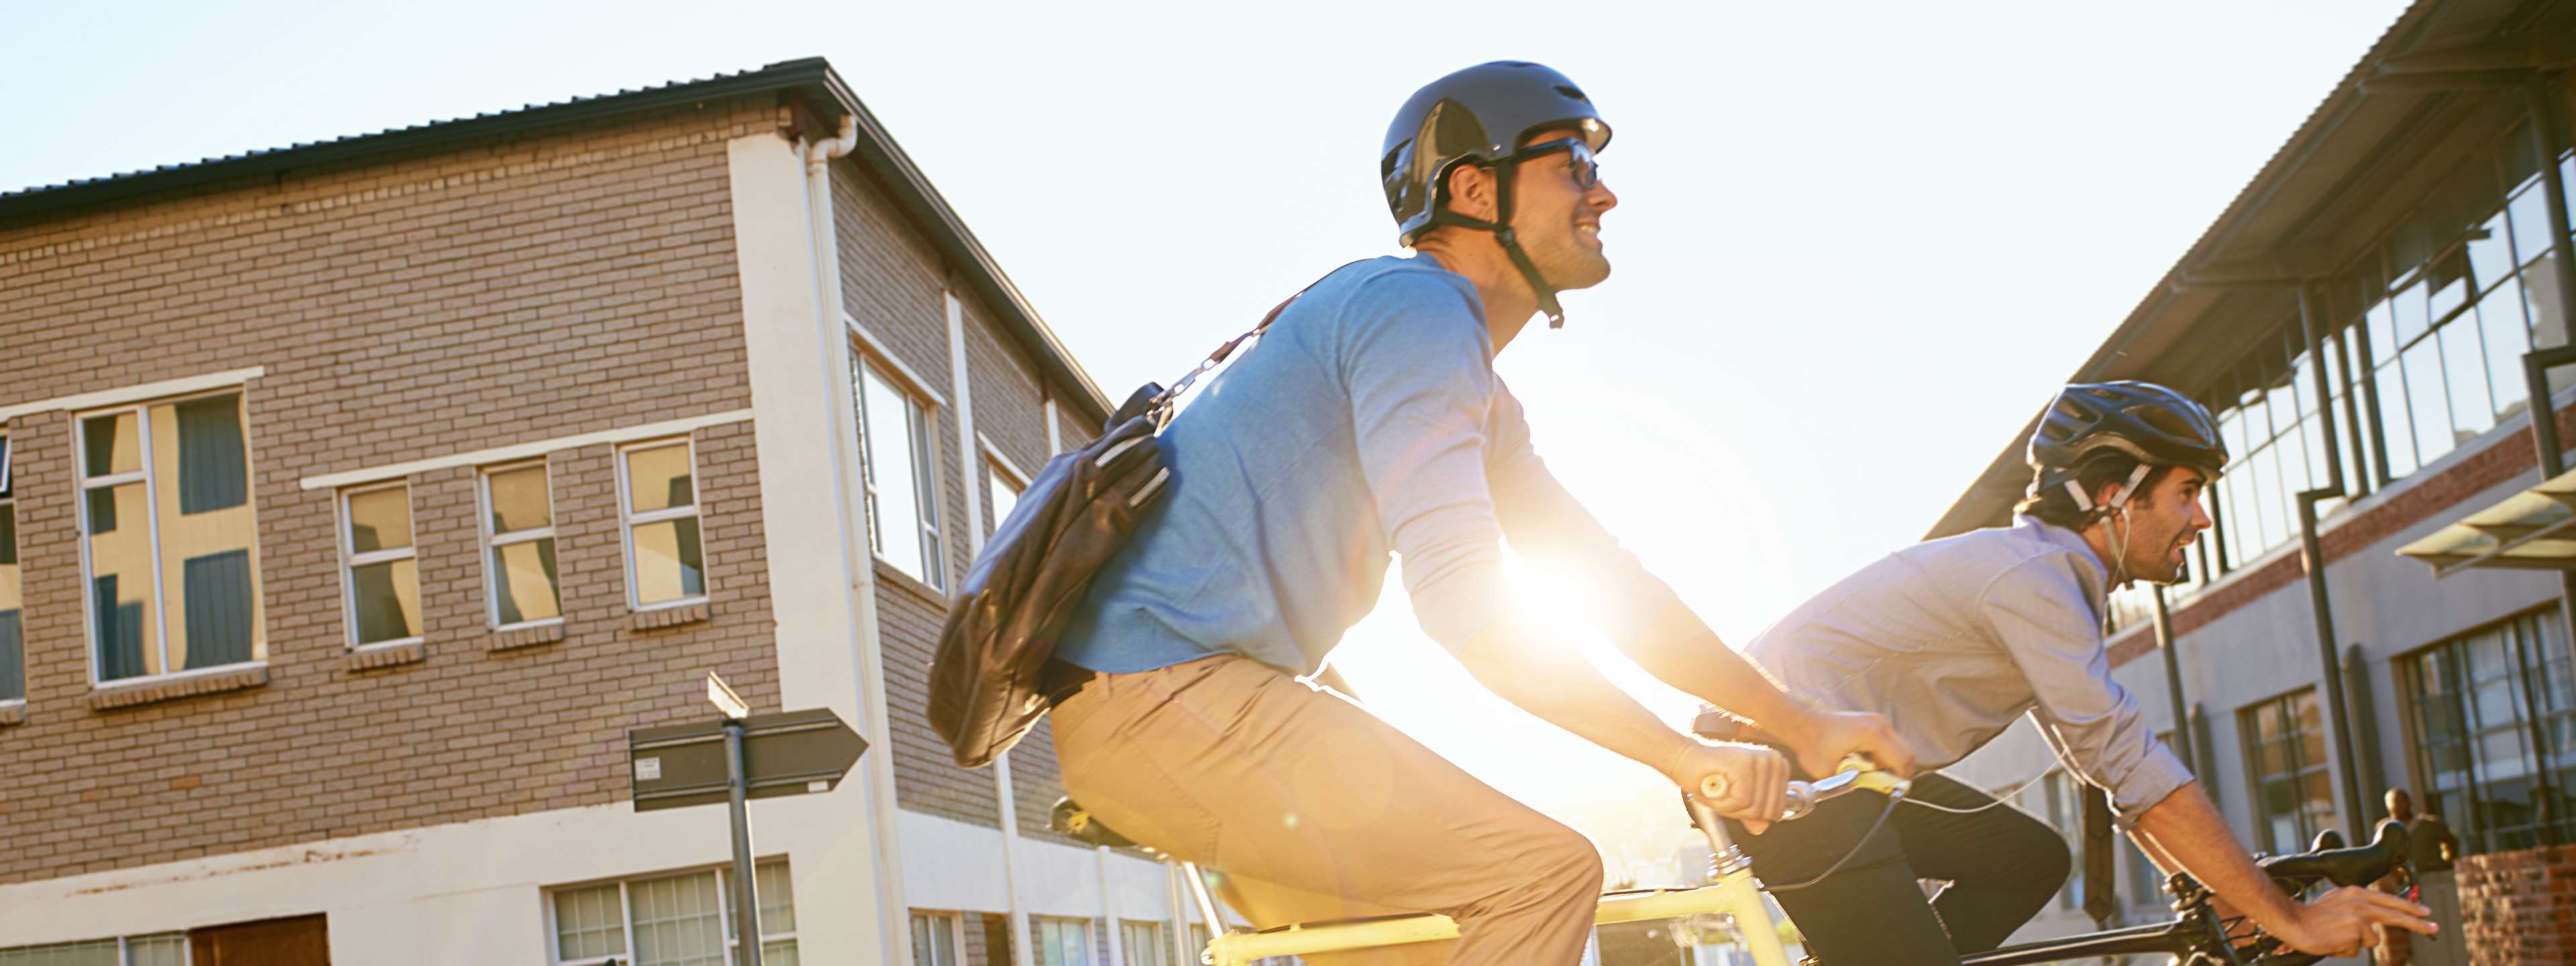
[2358, 318]
[357, 498]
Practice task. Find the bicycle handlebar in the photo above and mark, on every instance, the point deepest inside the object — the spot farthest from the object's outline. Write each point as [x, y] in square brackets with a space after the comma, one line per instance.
[1857, 772]
[2344, 867]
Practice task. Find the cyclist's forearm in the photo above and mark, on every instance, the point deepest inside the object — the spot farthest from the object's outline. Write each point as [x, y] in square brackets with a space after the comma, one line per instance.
[2188, 831]
[1680, 650]
[1525, 666]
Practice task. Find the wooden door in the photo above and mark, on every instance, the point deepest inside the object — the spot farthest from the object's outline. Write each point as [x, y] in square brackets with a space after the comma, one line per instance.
[299, 941]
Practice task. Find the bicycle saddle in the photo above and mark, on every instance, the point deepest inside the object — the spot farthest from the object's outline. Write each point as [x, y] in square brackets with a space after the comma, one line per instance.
[1071, 819]
[2343, 867]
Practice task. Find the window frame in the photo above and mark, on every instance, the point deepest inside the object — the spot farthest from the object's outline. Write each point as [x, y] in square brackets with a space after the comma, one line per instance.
[82, 484]
[1000, 471]
[628, 520]
[2249, 736]
[626, 912]
[9, 507]
[124, 945]
[351, 560]
[488, 541]
[1156, 952]
[2526, 681]
[1087, 943]
[956, 924]
[931, 486]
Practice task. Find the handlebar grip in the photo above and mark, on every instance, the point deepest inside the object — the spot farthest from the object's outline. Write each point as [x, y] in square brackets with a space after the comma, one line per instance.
[1713, 787]
[2291, 958]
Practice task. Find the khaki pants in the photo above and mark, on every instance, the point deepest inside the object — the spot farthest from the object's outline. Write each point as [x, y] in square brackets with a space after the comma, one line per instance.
[1310, 808]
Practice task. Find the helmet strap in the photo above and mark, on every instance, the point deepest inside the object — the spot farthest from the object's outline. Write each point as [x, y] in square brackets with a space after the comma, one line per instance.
[1505, 171]
[2119, 500]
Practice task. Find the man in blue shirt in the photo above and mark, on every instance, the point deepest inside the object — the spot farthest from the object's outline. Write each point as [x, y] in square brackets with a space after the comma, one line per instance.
[1369, 421]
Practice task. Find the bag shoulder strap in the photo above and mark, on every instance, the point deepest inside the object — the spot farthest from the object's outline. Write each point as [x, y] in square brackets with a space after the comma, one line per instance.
[1162, 405]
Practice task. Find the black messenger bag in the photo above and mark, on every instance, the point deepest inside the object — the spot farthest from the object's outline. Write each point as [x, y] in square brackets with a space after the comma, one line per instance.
[987, 684]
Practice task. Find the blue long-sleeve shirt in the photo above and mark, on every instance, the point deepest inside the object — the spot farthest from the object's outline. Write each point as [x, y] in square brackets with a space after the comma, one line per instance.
[1368, 420]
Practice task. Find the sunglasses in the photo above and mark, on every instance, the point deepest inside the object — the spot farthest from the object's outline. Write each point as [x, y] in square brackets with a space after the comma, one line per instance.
[1586, 168]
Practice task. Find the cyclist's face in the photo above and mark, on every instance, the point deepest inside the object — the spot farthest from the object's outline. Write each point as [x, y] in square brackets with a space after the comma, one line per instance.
[1557, 218]
[2163, 523]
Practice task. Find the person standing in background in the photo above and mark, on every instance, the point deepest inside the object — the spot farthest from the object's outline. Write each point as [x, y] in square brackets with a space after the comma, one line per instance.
[2434, 848]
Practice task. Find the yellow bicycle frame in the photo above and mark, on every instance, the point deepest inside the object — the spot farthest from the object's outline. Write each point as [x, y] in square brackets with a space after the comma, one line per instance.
[1736, 894]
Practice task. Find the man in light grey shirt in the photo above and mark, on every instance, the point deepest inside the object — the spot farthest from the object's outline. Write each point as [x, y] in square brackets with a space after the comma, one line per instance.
[1954, 638]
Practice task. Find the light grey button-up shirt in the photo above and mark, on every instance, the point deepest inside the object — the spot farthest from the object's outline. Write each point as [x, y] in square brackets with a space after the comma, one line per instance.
[1954, 638]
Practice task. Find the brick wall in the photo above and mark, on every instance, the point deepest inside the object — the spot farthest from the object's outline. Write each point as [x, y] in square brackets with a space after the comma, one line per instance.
[894, 285]
[2519, 908]
[504, 290]
[926, 779]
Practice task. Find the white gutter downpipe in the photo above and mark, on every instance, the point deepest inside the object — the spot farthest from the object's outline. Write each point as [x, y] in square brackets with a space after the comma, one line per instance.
[1023, 949]
[833, 341]
[1109, 907]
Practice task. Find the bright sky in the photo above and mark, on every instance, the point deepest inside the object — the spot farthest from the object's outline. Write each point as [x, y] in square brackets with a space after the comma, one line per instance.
[1858, 243]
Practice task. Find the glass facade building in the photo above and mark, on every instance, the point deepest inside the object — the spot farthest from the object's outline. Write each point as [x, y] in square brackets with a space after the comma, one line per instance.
[2494, 726]
[2422, 352]
[2424, 344]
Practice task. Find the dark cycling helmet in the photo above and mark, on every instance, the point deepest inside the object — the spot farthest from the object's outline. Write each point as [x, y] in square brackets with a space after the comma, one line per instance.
[2152, 424]
[1479, 115]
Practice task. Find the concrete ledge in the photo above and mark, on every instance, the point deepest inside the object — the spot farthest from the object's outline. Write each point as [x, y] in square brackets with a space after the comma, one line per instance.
[13, 715]
[376, 657]
[108, 697]
[667, 617]
[523, 637]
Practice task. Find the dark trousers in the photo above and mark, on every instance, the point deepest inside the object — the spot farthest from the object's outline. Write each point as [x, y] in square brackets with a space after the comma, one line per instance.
[2001, 865]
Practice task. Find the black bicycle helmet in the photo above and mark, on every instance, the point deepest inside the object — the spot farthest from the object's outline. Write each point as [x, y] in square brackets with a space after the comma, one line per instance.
[2152, 424]
[1479, 115]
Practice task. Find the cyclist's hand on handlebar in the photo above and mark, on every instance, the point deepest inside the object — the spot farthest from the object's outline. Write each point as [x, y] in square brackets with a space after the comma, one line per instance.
[1755, 780]
[1835, 734]
[2342, 921]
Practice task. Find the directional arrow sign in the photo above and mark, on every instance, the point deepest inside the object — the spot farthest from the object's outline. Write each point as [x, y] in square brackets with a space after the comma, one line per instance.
[792, 753]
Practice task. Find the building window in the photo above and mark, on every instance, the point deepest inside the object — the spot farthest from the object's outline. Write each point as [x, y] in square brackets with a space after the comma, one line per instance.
[2494, 724]
[2267, 415]
[2285, 749]
[169, 541]
[1006, 486]
[680, 920]
[2423, 352]
[13, 654]
[1060, 942]
[160, 949]
[666, 559]
[2468, 288]
[1143, 944]
[934, 939]
[379, 566]
[519, 529]
[903, 492]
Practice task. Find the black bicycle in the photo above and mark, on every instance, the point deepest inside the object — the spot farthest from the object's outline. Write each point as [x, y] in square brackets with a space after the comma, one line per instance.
[2197, 936]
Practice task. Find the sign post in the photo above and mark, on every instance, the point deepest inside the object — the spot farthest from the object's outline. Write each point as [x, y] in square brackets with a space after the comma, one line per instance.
[736, 759]
[746, 905]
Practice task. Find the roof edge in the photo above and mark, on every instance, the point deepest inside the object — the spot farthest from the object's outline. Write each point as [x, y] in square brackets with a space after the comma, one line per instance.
[1971, 510]
[876, 152]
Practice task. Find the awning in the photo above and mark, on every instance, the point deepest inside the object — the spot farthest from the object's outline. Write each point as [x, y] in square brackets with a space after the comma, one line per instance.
[2531, 530]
